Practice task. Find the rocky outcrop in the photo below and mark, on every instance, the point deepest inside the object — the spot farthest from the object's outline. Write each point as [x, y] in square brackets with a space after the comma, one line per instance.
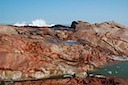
[79, 24]
[33, 58]
[109, 36]
[30, 53]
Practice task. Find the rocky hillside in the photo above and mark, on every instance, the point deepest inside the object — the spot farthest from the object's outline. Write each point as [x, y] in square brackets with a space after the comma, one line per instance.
[33, 53]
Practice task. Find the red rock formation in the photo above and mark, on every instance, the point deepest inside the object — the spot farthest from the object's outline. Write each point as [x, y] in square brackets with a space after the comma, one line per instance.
[36, 53]
[108, 36]
[32, 57]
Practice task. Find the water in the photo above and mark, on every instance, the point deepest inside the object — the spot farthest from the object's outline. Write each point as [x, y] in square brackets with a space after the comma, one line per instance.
[69, 42]
[119, 70]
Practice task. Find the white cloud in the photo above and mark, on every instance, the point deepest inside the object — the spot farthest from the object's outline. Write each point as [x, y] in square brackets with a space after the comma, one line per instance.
[37, 22]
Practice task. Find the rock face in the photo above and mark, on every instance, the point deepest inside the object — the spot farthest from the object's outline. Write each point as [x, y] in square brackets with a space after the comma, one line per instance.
[79, 24]
[36, 59]
[30, 53]
[109, 36]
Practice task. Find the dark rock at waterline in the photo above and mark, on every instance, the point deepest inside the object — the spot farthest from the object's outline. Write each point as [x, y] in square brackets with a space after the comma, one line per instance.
[76, 81]
[60, 27]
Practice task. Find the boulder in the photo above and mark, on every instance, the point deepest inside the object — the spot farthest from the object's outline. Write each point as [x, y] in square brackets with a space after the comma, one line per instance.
[79, 24]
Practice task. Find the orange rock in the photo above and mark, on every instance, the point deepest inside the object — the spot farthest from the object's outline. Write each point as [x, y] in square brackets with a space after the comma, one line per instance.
[38, 53]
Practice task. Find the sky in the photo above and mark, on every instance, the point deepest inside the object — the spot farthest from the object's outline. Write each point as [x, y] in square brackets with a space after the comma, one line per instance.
[63, 11]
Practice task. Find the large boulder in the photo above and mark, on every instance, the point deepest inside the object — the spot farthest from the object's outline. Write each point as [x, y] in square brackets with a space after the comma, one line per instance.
[79, 24]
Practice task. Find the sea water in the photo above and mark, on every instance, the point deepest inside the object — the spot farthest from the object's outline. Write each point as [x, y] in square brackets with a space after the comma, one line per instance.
[119, 70]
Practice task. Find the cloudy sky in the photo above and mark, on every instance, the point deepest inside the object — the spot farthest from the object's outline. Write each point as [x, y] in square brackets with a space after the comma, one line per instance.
[63, 11]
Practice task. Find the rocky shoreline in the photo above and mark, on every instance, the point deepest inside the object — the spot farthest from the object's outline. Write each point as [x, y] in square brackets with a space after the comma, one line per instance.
[73, 81]
[42, 52]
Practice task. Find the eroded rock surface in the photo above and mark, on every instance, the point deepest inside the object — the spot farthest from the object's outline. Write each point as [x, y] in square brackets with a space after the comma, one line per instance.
[34, 53]
[36, 59]
[109, 36]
